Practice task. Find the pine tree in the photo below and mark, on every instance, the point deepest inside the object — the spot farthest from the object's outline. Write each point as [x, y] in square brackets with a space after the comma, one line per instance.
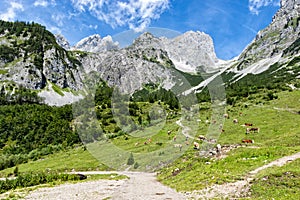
[130, 160]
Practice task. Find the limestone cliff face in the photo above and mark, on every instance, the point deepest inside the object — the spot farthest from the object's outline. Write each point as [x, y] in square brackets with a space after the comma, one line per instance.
[274, 39]
[187, 51]
[151, 59]
[30, 56]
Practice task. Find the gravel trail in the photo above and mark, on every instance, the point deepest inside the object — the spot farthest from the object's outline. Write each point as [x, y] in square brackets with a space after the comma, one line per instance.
[140, 186]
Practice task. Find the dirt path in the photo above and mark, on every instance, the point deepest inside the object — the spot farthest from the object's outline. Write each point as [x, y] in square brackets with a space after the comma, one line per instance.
[185, 129]
[140, 186]
[144, 186]
[239, 188]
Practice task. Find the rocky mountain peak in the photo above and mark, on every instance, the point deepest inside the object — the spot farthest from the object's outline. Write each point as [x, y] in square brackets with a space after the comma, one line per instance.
[274, 39]
[191, 50]
[62, 41]
[288, 3]
[146, 40]
[95, 43]
[187, 51]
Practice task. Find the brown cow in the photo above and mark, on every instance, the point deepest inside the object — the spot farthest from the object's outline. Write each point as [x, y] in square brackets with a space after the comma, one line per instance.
[247, 141]
[202, 137]
[248, 130]
[174, 138]
[248, 124]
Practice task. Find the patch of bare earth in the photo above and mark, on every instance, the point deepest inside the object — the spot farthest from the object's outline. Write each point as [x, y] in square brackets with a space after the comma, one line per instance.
[139, 186]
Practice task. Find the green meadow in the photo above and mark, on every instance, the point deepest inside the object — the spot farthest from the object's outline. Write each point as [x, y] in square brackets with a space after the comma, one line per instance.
[279, 135]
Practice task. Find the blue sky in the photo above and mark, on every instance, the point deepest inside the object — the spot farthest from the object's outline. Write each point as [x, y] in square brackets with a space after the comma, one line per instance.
[231, 23]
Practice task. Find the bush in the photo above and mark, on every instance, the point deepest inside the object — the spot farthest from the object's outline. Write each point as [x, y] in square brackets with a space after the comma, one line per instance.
[130, 160]
[136, 165]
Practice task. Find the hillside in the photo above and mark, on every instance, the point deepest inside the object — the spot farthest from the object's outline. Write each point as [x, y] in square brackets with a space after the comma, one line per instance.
[31, 57]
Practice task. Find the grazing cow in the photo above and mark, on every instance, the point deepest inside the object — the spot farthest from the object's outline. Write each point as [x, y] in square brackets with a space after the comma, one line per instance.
[136, 144]
[174, 138]
[248, 124]
[219, 147]
[212, 141]
[178, 146]
[202, 137]
[145, 143]
[247, 141]
[175, 172]
[196, 145]
[226, 116]
[169, 132]
[221, 126]
[248, 130]
[235, 121]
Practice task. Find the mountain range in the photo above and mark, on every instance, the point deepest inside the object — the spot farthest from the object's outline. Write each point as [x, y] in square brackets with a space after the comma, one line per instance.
[34, 58]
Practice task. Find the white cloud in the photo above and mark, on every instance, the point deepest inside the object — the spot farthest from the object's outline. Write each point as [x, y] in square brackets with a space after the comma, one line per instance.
[93, 26]
[10, 13]
[58, 19]
[255, 5]
[44, 3]
[41, 3]
[136, 14]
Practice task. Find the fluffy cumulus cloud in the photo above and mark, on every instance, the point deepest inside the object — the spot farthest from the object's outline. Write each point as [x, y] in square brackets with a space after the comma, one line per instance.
[255, 5]
[11, 11]
[136, 14]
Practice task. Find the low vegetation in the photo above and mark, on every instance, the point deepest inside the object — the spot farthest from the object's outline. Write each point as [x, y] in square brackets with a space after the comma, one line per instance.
[32, 179]
[278, 183]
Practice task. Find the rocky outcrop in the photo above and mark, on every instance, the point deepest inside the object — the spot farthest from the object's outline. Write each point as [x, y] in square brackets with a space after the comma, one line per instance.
[275, 38]
[62, 41]
[128, 69]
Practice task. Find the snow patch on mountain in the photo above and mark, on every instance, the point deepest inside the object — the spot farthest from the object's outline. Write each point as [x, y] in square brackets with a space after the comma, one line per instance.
[256, 68]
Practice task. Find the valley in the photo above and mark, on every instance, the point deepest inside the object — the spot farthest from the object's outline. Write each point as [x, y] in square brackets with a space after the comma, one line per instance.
[162, 118]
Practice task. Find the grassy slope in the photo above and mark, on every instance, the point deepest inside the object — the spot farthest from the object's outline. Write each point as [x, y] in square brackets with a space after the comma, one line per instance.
[278, 182]
[64, 161]
[279, 135]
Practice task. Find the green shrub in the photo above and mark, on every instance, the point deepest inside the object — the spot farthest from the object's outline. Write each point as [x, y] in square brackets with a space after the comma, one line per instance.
[30, 179]
[130, 160]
